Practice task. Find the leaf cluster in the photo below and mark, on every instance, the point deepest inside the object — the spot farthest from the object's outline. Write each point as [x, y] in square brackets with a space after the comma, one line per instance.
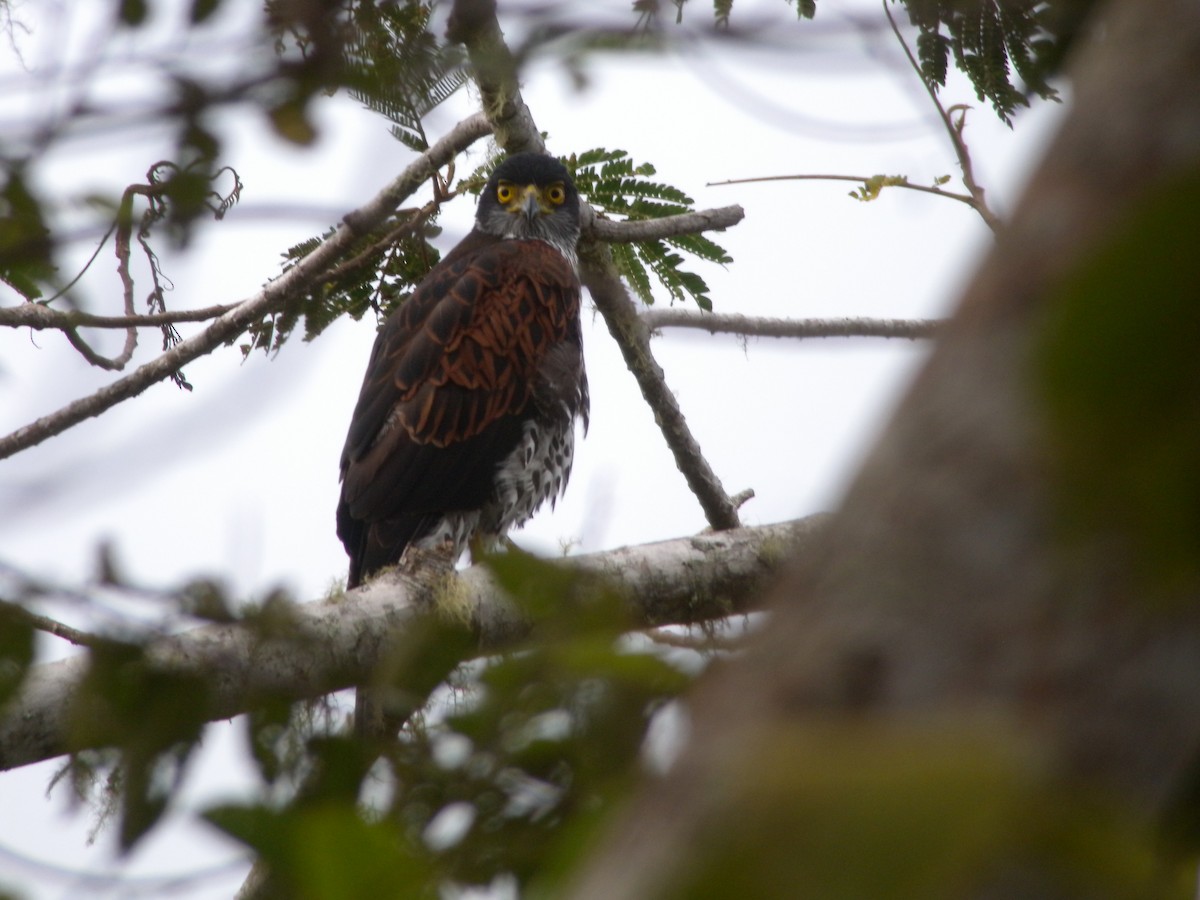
[379, 274]
[989, 40]
[648, 10]
[616, 186]
[148, 717]
[397, 68]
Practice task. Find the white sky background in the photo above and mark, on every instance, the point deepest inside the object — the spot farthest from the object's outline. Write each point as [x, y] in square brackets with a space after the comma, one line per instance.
[239, 478]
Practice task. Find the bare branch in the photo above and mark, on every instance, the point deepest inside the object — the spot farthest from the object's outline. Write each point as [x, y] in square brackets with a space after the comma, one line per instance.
[40, 317]
[753, 326]
[668, 226]
[272, 297]
[612, 299]
[865, 180]
[339, 641]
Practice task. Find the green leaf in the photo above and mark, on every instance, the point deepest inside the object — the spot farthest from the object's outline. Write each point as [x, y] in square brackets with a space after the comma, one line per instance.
[202, 9]
[132, 12]
[544, 590]
[327, 851]
[396, 67]
[16, 649]
[874, 185]
[990, 38]
[806, 9]
[291, 122]
[25, 247]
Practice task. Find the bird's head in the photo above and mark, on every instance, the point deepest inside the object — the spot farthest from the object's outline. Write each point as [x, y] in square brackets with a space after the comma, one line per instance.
[531, 196]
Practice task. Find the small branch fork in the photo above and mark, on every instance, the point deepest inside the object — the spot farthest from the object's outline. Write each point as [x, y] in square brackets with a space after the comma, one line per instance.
[954, 119]
[954, 128]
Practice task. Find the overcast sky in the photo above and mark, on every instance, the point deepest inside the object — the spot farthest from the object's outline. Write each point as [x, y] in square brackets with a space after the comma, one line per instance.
[238, 479]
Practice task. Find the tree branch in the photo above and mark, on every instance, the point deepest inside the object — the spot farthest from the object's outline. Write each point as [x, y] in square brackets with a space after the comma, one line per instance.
[669, 226]
[343, 638]
[49, 625]
[232, 323]
[866, 181]
[633, 338]
[753, 326]
[41, 317]
[473, 24]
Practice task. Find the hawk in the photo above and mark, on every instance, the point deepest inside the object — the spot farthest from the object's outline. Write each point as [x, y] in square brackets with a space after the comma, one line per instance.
[465, 423]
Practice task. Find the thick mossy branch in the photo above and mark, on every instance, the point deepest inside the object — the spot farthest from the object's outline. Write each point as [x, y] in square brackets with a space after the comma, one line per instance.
[334, 644]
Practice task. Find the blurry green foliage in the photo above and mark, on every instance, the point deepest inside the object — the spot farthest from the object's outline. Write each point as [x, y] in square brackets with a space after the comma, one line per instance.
[380, 273]
[25, 243]
[848, 810]
[16, 649]
[529, 751]
[1119, 375]
[153, 717]
[397, 68]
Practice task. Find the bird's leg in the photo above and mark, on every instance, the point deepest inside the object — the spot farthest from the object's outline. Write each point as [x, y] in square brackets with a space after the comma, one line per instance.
[428, 562]
[374, 716]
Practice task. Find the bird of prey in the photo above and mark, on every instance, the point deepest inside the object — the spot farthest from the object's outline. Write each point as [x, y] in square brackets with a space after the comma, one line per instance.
[465, 424]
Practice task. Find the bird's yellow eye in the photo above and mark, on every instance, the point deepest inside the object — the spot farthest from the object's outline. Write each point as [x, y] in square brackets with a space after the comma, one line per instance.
[505, 192]
[556, 194]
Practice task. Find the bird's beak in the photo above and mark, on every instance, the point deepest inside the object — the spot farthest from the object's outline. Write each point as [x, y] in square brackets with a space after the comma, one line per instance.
[531, 204]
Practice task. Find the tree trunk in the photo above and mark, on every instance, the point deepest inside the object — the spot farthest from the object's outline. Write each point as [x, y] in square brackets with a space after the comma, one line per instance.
[947, 607]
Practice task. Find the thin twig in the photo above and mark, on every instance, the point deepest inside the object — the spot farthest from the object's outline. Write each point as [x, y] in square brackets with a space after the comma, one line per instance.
[50, 626]
[41, 317]
[124, 224]
[272, 297]
[703, 643]
[858, 179]
[58, 629]
[753, 326]
[87, 265]
[953, 129]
